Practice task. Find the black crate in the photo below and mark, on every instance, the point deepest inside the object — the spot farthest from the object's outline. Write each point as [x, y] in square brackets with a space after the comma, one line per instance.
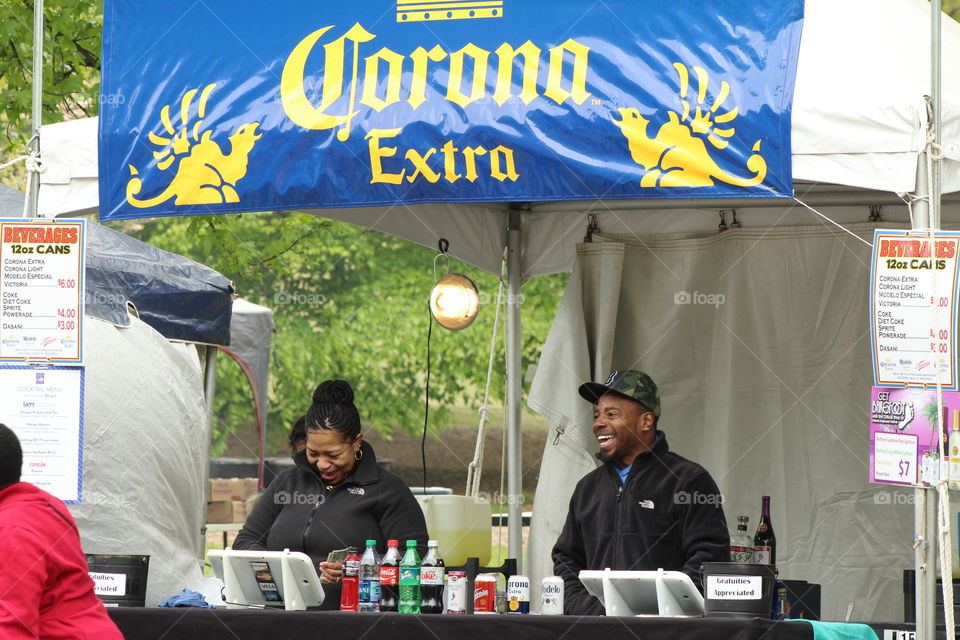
[132, 568]
[910, 603]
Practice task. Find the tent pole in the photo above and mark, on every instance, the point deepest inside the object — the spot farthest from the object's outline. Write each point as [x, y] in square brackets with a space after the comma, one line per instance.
[927, 217]
[927, 581]
[935, 102]
[209, 391]
[514, 392]
[924, 498]
[33, 194]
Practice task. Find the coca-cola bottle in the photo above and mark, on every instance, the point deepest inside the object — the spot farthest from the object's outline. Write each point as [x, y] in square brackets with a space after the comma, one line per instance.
[350, 582]
[390, 576]
[431, 580]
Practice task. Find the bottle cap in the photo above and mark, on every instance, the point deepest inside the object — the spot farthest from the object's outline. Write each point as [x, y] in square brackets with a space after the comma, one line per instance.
[411, 543]
[432, 543]
[393, 543]
[371, 543]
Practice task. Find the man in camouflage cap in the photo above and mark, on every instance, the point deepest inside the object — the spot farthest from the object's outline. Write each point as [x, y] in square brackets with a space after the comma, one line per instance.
[646, 507]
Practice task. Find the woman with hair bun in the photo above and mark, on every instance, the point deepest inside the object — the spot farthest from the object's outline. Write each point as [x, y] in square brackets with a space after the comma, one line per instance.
[335, 496]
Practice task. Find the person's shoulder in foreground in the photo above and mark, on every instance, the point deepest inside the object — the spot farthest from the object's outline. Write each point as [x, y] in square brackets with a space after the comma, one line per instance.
[45, 589]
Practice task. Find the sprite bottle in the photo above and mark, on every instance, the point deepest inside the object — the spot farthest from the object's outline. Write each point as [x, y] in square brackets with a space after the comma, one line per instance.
[410, 580]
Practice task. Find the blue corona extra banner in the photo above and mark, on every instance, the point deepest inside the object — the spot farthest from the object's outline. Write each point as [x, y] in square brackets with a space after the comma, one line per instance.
[219, 107]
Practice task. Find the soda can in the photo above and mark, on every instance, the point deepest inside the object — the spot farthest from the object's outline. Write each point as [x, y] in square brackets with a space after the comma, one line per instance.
[551, 596]
[457, 592]
[518, 594]
[485, 593]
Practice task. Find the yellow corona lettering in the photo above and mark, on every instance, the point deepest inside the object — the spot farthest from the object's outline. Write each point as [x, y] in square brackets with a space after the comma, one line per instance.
[418, 83]
[578, 86]
[470, 158]
[384, 71]
[478, 84]
[377, 153]
[293, 95]
[394, 70]
[420, 162]
[450, 162]
[506, 55]
[495, 172]
[426, 165]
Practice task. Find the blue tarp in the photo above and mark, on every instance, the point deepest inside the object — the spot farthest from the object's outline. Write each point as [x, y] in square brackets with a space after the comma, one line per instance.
[180, 298]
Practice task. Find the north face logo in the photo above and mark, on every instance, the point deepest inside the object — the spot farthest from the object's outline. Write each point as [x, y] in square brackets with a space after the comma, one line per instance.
[357, 491]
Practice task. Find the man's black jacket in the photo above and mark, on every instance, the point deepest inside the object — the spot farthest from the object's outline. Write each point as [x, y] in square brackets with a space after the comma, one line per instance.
[668, 515]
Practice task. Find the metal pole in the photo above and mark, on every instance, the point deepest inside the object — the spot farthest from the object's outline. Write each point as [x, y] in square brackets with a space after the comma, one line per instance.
[34, 194]
[930, 578]
[935, 101]
[919, 566]
[514, 393]
[209, 391]
[925, 509]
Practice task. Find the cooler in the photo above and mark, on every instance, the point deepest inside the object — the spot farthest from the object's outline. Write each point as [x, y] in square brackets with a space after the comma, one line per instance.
[460, 524]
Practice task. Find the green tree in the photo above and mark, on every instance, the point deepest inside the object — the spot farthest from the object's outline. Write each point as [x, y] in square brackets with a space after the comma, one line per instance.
[352, 304]
[71, 64]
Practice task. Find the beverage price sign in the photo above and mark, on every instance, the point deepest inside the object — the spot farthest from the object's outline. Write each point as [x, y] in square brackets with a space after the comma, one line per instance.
[913, 308]
[41, 290]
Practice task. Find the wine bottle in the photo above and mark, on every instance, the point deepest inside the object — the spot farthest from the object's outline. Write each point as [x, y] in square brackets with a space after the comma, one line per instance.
[953, 452]
[765, 542]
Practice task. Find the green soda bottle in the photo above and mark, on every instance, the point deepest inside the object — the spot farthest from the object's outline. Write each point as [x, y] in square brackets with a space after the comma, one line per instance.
[410, 580]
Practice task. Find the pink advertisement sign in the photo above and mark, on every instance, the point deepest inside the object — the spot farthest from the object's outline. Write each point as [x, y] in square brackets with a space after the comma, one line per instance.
[903, 434]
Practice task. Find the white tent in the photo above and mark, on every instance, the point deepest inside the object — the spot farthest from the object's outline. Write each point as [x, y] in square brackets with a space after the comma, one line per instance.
[858, 130]
[857, 126]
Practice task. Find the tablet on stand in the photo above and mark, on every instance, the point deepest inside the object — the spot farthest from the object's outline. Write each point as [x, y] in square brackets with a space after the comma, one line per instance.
[267, 579]
[644, 593]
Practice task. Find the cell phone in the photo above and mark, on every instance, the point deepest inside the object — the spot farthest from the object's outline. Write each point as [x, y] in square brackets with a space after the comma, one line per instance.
[338, 556]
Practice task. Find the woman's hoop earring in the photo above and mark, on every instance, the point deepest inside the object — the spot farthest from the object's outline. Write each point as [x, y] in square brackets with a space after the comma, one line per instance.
[358, 455]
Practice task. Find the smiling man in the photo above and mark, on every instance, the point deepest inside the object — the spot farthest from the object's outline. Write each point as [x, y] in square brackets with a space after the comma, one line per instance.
[645, 507]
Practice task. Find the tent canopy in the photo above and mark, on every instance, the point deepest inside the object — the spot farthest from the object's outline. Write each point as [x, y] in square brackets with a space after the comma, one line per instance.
[857, 131]
[181, 299]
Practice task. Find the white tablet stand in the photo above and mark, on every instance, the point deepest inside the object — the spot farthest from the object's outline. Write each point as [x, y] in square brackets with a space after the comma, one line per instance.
[249, 575]
[653, 593]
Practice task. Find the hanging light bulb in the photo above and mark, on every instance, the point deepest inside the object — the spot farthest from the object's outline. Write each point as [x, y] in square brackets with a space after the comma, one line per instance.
[454, 301]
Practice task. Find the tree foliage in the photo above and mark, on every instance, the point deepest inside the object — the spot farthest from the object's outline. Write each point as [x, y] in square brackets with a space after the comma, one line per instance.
[350, 304]
[71, 63]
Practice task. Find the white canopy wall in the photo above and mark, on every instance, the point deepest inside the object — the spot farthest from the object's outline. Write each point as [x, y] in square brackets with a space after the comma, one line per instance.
[143, 445]
[768, 388]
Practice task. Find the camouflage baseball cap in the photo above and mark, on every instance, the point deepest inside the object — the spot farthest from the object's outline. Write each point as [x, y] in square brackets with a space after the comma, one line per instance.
[629, 382]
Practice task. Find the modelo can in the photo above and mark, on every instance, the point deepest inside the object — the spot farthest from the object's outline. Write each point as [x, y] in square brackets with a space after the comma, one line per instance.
[551, 596]
[518, 594]
[485, 593]
[457, 592]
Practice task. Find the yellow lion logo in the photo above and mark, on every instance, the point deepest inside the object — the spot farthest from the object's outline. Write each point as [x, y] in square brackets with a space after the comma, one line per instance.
[204, 174]
[677, 156]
